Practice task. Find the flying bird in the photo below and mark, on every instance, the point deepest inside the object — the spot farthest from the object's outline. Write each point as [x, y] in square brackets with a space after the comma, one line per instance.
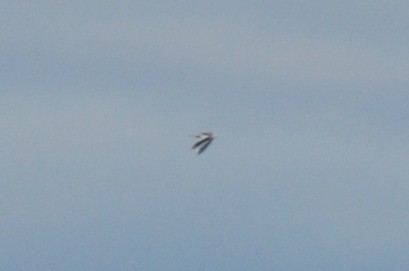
[204, 141]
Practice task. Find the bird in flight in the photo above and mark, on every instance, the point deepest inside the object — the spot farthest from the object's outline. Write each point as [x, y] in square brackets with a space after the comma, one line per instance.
[204, 141]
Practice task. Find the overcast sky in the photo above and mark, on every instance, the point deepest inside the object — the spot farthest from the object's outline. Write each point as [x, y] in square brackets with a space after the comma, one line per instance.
[309, 100]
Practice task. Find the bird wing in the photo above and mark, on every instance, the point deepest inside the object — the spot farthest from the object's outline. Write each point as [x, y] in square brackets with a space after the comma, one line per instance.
[200, 142]
[205, 145]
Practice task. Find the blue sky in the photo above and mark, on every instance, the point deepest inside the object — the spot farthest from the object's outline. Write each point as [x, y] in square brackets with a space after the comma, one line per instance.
[309, 100]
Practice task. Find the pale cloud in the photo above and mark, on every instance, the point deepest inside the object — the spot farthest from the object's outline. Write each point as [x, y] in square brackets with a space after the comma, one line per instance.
[219, 47]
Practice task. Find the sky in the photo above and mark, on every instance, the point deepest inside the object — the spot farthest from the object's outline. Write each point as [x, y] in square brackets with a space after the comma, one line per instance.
[309, 100]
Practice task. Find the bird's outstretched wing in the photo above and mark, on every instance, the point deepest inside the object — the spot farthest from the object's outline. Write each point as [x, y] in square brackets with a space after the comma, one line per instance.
[205, 145]
[200, 142]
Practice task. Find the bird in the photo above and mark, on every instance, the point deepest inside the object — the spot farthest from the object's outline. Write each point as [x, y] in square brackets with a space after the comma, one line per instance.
[204, 141]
